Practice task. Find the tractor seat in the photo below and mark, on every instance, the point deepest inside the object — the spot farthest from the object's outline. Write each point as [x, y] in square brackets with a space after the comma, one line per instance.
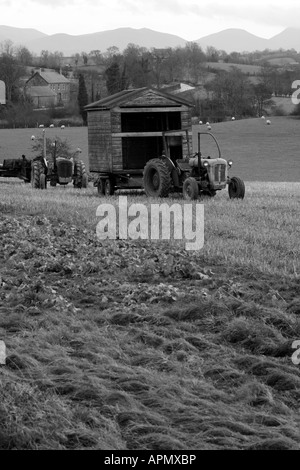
[183, 165]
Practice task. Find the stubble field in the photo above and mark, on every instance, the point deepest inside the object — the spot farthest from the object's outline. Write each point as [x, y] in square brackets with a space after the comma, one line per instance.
[133, 344]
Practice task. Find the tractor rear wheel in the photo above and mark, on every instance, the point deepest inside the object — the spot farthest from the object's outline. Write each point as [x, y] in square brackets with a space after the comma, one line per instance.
[236, 188]
[190, 189]
[156, 178]
[81, 175]
[36, 171]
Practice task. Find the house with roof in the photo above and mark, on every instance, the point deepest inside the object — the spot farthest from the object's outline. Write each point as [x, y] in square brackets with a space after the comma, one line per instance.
[48, 88]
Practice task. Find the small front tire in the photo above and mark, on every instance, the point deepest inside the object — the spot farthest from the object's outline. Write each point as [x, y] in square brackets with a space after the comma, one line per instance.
[190, 189]
[43, 181]
[236, 188]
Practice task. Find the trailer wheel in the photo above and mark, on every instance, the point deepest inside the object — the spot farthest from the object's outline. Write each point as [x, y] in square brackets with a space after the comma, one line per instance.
[36, 171]
[101, 187]
[81, 178]
[190, 189]
[156, 178]
[43, 181]
[108, 187]
[84, 180]
[236, 188]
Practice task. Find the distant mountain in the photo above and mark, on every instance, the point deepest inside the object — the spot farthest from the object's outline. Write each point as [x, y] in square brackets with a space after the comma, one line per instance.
[239, 40]
[19, 35]
[228, 40]
[120, 38]
[287, 39]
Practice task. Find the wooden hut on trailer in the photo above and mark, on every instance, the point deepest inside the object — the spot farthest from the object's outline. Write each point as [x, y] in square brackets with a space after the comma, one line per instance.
[125, 130]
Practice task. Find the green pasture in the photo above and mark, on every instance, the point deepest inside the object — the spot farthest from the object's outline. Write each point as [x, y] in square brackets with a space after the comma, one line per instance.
[260, 152]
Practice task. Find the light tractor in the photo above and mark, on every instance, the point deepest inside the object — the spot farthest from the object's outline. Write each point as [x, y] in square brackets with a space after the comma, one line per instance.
[195, 175]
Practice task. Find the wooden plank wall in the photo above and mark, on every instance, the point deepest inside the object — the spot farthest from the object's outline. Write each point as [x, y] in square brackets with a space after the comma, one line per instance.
[186, 123]
[117, 157]
[99, 140]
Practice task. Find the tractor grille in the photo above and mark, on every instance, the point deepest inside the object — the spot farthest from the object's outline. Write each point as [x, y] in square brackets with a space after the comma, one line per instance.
[220, 173]
[64, 168]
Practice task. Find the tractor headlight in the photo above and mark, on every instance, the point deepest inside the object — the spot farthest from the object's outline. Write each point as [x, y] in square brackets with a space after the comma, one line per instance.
[205, 164]
[230, 162]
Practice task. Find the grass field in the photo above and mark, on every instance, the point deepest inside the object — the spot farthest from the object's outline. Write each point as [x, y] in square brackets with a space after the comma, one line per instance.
[260, 152]
[141, 345]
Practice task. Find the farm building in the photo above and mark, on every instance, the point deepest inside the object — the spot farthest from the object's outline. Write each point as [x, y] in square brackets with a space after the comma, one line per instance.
[125, 129]
[42, 96]
[43, 80]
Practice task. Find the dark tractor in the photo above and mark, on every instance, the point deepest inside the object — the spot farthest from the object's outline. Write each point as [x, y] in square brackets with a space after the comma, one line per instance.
[194, 176]
[58, 170]
[16, 168]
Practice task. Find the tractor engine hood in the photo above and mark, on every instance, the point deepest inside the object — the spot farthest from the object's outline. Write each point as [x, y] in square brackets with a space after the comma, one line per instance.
[194, 162]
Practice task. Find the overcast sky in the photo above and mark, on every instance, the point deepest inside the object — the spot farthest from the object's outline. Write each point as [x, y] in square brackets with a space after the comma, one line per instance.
[189, 19]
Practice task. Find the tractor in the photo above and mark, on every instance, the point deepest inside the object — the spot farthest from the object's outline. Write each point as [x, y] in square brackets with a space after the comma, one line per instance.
[57, 170]
[39, 170]
[16, 168]
[194, 176]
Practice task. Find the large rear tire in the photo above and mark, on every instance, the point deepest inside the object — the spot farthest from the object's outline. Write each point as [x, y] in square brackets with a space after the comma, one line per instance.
[190, 189]
[236, 188]
[81, 177]
[36, 171]
[156, 178]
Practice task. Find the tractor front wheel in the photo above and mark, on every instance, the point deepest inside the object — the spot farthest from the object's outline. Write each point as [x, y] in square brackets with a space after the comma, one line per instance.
[43, 181]
[156, 178]
[236, 188]
[190, 189]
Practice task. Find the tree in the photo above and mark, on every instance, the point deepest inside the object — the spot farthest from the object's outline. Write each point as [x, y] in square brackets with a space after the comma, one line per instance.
[62, 149]
[82, 99]
[113, 78]
[233, 91]
[51, 60]
[24, 56]
[263, 94]
[10, 73]
[97, 56]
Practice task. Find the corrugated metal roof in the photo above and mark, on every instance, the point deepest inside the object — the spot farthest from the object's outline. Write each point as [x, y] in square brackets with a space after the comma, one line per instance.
[124, 96]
